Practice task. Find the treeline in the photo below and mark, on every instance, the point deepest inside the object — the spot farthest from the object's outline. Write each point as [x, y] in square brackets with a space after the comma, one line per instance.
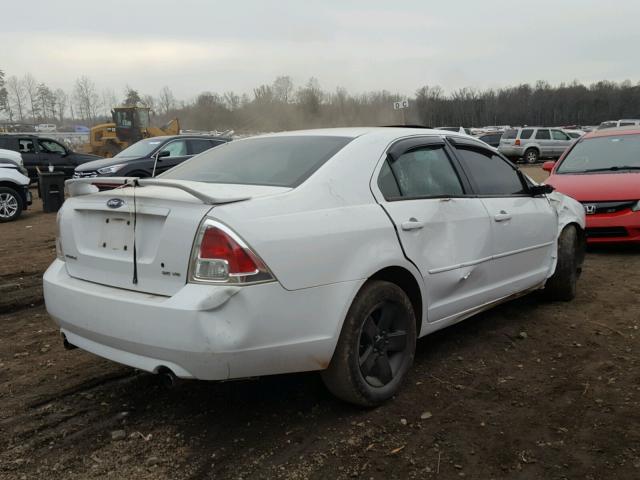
[282, 105]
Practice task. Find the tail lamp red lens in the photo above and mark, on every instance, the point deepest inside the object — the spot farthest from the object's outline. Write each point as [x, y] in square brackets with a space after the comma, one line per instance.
[221, 256]
[216, 244]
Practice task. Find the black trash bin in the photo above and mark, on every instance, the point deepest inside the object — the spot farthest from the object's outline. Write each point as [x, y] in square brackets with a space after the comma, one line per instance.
[51, 186]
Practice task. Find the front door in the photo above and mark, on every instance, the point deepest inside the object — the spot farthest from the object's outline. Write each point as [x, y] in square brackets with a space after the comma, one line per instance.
[53, 154]
[523, 227]
[177, 154]
[444, 231]
[543, 139]
[561, 142]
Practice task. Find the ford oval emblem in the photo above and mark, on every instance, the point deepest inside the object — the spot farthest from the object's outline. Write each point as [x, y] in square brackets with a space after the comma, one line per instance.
[115, 203]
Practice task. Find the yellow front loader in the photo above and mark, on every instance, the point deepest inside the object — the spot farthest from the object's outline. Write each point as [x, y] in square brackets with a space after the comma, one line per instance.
[130, 124]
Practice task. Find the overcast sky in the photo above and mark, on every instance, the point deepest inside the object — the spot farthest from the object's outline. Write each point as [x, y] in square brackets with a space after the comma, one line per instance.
[193, 46]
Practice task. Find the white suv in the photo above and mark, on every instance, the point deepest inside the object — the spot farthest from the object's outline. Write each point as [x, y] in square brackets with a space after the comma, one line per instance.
[327, 250]
[15, 196]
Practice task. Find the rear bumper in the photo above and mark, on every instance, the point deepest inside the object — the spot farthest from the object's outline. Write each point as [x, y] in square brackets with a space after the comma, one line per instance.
[619, 227]
[511, 151]
[204, 332]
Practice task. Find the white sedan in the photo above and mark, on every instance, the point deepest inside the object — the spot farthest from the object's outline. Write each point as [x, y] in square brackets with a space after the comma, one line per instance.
[328, 250]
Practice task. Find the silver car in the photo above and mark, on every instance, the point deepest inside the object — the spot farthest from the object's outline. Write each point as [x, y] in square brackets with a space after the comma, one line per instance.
[533, 143]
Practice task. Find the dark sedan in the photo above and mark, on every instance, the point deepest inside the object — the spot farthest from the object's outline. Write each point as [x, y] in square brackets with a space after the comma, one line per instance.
[139, 159]
[44, 153]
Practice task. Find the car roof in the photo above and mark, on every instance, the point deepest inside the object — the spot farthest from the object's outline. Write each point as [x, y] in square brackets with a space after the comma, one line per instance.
[612, 132]
[354, 132]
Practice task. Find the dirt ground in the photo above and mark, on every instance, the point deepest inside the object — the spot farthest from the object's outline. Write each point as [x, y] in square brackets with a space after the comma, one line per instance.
[529, 390]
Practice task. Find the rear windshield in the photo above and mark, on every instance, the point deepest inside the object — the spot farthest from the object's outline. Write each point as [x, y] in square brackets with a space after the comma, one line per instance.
[510, 135]
[526, 133]
[278, 161]
[603, 153]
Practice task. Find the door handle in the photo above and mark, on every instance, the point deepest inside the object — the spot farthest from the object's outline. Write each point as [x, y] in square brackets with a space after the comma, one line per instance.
[412, 224]
[502, 216]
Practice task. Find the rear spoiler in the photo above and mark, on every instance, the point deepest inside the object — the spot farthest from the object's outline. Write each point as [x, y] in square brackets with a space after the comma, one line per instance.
[85, 186]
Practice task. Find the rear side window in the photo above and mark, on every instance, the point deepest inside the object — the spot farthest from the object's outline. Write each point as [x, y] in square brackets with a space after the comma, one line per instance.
[26, 145]
[510, 135]
[543, 135]
[526, 133]
[284, 161]
[199, 146]
[492, 175]
[627, 124]
[419, 173]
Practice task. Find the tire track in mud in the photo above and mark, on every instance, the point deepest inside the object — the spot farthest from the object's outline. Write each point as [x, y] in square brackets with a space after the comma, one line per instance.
[19, 291]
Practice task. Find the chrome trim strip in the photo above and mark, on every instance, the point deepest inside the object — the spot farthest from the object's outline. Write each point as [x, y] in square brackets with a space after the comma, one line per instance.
[486, 259]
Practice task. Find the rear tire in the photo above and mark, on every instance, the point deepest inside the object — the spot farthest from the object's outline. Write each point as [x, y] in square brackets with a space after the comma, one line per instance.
[376, 346]
[10, 204]
[531, 156]
[561, 286]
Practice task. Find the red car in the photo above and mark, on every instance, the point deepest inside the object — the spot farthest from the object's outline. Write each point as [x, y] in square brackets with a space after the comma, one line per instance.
[602, 171]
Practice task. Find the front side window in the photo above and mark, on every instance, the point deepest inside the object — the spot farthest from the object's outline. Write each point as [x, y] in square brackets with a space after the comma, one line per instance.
[176, 149]
[419, 173]
[558, 135]
[492, 175]
[543, 135]
[51, 147]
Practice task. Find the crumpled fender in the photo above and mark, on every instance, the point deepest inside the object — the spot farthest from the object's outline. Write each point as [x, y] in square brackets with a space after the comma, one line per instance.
[568, 209]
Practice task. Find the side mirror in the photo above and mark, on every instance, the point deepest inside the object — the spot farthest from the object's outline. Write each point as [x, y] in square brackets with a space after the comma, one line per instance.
[163, 153]
[537, 190]
[548, 166]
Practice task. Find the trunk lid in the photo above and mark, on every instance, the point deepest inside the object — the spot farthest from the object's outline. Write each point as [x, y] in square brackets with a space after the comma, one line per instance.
[97, 233]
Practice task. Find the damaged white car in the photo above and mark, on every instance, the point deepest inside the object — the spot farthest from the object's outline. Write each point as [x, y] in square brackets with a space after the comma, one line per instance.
[329, 250]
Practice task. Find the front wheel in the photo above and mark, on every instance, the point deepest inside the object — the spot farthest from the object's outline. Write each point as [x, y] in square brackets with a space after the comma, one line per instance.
[562, 284]
[10, 204]
[376, 346]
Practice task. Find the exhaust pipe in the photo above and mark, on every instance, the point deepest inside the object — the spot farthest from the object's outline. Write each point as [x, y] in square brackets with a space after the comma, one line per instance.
[66, 344]
[168, 379]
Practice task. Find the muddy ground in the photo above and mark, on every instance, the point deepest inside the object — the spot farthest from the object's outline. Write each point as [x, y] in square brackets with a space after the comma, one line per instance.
[529, 390]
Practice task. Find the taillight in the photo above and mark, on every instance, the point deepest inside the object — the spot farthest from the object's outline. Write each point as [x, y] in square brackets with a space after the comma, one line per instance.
[517, 142]
[219, 255]
[59, 251]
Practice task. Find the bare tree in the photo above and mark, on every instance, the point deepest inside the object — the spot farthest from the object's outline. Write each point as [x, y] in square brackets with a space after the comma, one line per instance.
[149, 101]
[166, 100]
[4, 100]
[283, 88]
[62, 102]
[31, 90]
[17, 99]
[131, 96]
[109, 101]
[86, 99]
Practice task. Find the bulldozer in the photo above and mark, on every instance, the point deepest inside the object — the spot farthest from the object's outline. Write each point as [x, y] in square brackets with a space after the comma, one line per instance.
[130, 124]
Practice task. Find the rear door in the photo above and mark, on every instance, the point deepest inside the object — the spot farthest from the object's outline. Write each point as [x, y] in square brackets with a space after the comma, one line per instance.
[443, 229]
[561, 142]
[178, 153]
[523, 227]
[27, 147]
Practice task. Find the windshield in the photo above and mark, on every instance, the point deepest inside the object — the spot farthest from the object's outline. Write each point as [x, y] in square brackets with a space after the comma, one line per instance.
[278, 161]
[603, 153]
[142, 148]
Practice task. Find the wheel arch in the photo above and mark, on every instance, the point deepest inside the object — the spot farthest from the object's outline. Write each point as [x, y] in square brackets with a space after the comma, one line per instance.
[407, 281]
